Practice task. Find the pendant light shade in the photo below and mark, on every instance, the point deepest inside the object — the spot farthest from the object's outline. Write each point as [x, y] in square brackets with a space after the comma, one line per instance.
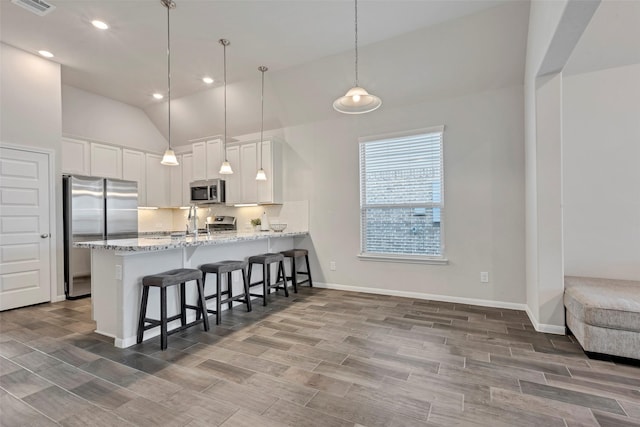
[357, 100]
[169, 157]
[225, 168]
[261, 175]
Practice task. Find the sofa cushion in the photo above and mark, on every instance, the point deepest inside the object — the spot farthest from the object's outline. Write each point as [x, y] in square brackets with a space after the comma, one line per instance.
[613, 304]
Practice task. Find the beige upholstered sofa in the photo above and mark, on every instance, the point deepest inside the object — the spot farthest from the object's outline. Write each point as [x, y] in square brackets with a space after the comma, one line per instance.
[604, 315]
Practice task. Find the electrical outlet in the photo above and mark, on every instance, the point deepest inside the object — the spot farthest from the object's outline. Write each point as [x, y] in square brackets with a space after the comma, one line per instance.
[118, 272]
[484, 277]
[332, 266]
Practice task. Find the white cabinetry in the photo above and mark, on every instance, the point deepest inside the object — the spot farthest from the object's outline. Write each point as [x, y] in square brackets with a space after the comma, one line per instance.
[75, 157]
[233, 189]
[175, 183]
[187, 177]
[157, 177]
[270, 191]
[106, 161]
[133, 169]
[199, 150]
[242, 186]
[207, 158]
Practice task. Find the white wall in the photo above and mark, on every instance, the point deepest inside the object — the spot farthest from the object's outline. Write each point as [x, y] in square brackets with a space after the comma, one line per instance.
[31, 115]
[601, 162]
[93, 117]
[484, 193]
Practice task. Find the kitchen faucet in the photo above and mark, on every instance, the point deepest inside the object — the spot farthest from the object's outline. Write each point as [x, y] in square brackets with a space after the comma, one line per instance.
[193, 220]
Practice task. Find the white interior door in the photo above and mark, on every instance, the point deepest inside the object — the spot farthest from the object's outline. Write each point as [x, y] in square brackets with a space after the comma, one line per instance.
[25, 252]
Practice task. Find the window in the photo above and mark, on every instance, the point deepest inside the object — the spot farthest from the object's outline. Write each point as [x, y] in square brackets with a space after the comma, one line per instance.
[401, 196]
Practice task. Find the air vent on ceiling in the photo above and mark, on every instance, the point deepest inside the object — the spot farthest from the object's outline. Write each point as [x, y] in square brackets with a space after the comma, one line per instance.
[39, 7]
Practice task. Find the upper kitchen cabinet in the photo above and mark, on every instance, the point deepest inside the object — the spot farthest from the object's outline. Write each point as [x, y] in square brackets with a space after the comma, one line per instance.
[106, 161]
[270, 191]
[76, 157]
[157, 177]
[242, 187]
[133, 169]
[176, 189]
[233, 182]
[207, 158]
[187, 177]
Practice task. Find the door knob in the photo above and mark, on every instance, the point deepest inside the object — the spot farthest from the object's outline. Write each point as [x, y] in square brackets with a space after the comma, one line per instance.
[44, 235]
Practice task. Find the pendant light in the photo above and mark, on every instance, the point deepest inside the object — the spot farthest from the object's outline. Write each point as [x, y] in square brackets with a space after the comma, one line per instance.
[225, 168]
[261, 175]
[169, 157]
[357, 100]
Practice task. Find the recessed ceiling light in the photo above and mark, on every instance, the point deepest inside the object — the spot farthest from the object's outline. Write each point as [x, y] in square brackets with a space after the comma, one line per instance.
[100, 25]
[45, 53]
[158, 96]
[207, 80]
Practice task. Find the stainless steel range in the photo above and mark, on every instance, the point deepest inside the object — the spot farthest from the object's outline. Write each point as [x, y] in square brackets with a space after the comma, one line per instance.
[222, 223]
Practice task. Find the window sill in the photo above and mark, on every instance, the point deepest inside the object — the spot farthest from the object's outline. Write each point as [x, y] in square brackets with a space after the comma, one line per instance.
[404, 259]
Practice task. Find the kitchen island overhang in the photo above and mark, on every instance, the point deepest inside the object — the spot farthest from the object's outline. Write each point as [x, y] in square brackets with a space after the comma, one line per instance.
[118, 266]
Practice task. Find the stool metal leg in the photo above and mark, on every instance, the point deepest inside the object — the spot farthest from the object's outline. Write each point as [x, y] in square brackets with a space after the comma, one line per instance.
[306, 259]
[230, 289]
[183, 305]
[294, 272]
[143, 313]
[203, 305]
[218, 298]
[266, 281]
[282, 276]
[247, 297]
[163, 318]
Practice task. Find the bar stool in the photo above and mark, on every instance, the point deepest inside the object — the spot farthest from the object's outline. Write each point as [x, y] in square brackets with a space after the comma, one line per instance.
[163, 280]
[266, 260]
[293, 254]
[219, 269]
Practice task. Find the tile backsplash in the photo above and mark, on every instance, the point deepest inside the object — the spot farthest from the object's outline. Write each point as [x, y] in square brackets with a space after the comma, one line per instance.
[294, 214]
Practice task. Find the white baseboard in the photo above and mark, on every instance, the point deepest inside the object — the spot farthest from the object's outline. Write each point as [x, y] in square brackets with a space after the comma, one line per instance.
[548, 329]
[419, 295]
[58, 298]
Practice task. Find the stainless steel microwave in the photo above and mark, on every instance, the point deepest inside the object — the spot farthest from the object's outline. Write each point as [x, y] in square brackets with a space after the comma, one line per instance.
[209, 191]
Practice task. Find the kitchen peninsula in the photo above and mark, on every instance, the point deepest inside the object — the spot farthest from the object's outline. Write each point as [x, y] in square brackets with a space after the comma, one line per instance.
[117, 268]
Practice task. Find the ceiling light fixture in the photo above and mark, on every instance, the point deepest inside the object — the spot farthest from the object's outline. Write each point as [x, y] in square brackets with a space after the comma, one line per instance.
[357, 100]
[225, 168]
[207, 80]
[100, 24]
[45, 53]
[261, 175]
[169, 157]
[158, 96]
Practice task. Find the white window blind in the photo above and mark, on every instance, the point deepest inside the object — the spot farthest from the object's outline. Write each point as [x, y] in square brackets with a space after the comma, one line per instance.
[401, 195]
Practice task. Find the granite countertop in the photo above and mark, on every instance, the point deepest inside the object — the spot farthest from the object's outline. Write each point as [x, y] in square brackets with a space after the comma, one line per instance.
[161, 243]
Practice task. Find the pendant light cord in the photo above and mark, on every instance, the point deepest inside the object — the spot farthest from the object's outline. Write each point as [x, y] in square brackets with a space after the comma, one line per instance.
[224, 48]
[169, 70]
[356, 14]
[262, 70]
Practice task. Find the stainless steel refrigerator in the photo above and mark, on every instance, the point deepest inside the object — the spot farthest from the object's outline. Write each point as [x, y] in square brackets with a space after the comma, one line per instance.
[94, 209]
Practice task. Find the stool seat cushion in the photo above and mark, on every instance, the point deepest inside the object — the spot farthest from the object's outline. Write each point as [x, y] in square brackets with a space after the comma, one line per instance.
[223, 266]
[296, 253]
[172, 277]
[267, 258]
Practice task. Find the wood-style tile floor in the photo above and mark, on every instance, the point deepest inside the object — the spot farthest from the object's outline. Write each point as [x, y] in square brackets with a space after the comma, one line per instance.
[319, 358]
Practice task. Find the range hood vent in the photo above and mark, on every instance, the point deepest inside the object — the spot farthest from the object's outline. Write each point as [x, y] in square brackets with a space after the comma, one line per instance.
[39, 7]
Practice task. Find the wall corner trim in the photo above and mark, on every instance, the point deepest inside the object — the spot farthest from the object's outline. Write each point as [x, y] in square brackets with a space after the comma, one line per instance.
[544, 328]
